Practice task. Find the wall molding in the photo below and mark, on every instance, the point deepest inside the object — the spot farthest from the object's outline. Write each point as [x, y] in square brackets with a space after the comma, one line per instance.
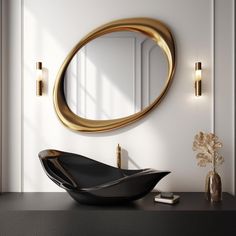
[213, 66]
[1, 95]
[234, 91]
[224, 85]
[22, 96]
[11, 95]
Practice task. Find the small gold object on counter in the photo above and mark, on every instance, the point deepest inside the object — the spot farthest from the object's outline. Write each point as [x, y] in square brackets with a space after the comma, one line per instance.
[207, 145]
[213, 187]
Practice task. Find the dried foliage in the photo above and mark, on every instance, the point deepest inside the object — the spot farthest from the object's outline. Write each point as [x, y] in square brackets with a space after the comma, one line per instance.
[207, 145]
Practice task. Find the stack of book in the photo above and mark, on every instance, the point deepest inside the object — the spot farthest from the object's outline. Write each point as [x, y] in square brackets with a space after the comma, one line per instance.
[167, 197]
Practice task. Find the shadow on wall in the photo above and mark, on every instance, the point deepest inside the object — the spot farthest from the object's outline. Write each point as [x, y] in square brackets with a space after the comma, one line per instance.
[126, 159]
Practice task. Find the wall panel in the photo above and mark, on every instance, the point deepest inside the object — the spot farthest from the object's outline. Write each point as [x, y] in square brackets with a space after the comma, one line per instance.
[162, 140]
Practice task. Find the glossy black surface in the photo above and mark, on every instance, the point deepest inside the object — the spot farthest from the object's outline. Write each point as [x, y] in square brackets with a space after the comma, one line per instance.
[92, 182]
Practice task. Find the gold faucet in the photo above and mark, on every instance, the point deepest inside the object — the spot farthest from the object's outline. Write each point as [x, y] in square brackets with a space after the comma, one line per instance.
[118, 156]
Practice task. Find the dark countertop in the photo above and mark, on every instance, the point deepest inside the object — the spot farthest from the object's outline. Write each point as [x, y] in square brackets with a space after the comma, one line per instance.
[189, 201]
[56, 214]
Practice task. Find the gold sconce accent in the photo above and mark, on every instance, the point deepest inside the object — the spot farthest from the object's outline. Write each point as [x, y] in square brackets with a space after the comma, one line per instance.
[118, 156]
[198, 79]
[39, 79]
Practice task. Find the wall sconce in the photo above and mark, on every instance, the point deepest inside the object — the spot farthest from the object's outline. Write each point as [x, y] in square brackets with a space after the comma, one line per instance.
[198, 79]
[39, 79]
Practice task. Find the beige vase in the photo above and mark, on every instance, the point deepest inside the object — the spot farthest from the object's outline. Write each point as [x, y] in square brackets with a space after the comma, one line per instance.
[213, 187]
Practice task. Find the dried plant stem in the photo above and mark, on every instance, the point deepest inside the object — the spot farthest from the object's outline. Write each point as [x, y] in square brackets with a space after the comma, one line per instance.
[214, 163]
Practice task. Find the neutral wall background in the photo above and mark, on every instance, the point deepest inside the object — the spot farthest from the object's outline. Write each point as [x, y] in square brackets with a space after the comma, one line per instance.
[47, 30]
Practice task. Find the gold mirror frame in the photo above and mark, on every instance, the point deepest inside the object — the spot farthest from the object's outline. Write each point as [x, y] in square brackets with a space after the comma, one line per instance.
[150, 27]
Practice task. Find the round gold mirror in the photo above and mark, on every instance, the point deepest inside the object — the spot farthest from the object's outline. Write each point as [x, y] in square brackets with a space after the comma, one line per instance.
[115, 75]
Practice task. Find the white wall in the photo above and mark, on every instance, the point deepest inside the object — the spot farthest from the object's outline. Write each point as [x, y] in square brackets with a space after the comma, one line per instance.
[162, 140]
[11, 95]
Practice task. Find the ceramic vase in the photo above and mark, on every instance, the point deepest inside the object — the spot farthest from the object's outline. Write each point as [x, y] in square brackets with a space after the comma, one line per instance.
[213, 187]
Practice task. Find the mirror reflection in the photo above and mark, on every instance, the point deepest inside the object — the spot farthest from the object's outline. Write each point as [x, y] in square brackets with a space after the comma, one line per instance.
[115, 75]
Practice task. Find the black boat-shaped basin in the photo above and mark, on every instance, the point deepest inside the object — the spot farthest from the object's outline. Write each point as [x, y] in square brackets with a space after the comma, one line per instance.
[92, 182]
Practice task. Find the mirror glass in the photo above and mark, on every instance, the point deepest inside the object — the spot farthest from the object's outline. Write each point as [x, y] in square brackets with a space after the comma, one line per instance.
[115, 75]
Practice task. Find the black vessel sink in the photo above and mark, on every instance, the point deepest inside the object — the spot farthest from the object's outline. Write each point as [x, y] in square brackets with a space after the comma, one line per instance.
[92, 182]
